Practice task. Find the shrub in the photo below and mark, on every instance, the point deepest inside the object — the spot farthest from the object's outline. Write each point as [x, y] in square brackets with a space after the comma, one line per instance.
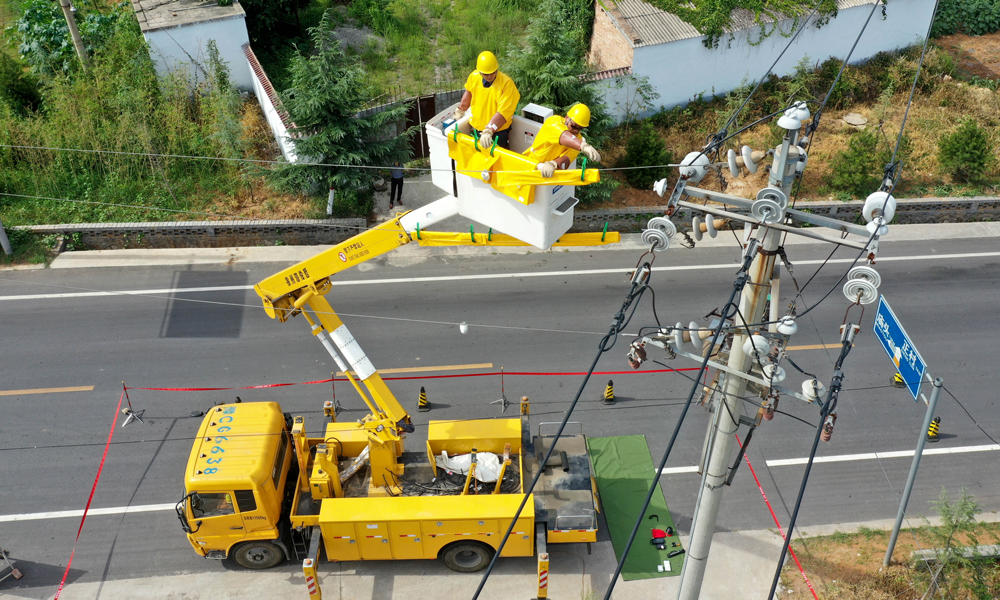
[645, 148]
[375, 14]
[971, 17]
[858, 170]
[966, 153]
[18, 90]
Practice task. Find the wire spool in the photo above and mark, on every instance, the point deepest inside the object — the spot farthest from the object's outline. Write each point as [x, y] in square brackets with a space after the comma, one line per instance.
[774, 373]
[748, 162]
[710, 226]
[775, 195]
[861, 291]
[866, 273]
[655, 239]
[767, 211]
[734, 169]
[813, 389]
[678, 336]
[696, 340]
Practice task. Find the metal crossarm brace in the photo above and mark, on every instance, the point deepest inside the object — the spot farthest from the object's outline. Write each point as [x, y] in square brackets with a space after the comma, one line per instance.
[747, 376]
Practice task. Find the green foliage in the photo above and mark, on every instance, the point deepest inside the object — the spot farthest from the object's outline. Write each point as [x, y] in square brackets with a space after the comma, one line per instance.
[45, 41]
[645, 148]
[971, 17]
[966, 153]
[859, 169]
[597, 193]
[27, 247]
[548, 65]
[270, 20]
[119, 105]
[376, 14]
[18, 90]
[712, 17]
[955, 571]
[328, 90]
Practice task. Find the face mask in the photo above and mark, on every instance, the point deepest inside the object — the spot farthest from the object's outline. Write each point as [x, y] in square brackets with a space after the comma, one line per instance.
[487, 84]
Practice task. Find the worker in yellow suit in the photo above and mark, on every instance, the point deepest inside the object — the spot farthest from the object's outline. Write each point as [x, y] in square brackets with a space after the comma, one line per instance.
[493, 97]
[558, 142]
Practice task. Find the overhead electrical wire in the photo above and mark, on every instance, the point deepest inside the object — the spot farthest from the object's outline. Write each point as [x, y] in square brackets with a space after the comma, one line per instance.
[640, 283]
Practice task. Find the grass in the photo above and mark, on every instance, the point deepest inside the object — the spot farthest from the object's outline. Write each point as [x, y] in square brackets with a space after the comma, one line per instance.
[848, 566]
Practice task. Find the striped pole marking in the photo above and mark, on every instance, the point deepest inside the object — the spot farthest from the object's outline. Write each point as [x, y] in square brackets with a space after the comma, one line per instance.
[311, 584]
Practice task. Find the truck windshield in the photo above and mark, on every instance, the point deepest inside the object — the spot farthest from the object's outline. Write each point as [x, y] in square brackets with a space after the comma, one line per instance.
[211, 504]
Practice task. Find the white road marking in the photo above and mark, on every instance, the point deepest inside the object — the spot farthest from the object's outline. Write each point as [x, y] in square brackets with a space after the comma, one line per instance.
[786, 462]
[61, 514]
[563, 273]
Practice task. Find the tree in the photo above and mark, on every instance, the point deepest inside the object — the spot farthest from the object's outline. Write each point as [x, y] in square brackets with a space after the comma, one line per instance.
[966, 153]
[328, 91]
[645, 148]
[45, 42]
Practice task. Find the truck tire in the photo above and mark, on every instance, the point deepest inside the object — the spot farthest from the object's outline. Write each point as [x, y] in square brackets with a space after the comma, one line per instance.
[258, 555]
[467, 557]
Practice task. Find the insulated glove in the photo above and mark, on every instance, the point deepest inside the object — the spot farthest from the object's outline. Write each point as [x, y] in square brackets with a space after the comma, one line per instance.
[486, 138]
[590, 152]
[547, 169]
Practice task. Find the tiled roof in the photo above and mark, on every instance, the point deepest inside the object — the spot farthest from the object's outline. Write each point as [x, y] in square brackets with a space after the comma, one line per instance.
[608, 74]
[268, 88]
[649, 26]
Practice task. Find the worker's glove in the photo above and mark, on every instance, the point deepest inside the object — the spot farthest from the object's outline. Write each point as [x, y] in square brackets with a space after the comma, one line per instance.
[486, 138]
[458, 114]
[590, 152]
[547, 169]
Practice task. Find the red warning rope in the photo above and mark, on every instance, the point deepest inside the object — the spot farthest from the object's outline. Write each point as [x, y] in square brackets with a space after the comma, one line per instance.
[93, 489]
[775, 517]
[491, 373]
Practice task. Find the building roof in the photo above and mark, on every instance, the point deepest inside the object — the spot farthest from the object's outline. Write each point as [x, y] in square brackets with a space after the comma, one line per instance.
[165, 14]
[645, 25]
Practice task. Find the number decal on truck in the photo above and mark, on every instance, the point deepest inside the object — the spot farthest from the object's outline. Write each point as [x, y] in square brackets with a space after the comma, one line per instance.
[217, 449]
[213, 461]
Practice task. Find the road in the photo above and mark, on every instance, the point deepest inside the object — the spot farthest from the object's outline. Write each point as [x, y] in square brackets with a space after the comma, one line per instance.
[539, 312]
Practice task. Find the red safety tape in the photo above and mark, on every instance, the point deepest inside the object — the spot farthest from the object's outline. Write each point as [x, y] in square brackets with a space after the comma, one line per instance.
[93, 489]
[775, 517]
[491, 373]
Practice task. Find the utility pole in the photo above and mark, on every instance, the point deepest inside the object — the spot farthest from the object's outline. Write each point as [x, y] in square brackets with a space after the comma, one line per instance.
[74, 32]
[751, 307]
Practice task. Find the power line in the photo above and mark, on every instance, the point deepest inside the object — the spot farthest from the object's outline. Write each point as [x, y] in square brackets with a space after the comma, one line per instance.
[962, 406]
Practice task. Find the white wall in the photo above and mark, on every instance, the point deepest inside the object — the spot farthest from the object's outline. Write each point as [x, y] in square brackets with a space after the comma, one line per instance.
[271, 114]
[681, 70]
[177, 49]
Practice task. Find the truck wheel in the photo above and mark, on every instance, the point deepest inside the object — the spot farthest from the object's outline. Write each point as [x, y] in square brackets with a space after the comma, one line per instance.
[467, 557]
[258, 555]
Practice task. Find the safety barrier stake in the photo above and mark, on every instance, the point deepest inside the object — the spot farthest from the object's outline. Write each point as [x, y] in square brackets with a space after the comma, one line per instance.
[543, 575]
[312, 584]
[525, 406]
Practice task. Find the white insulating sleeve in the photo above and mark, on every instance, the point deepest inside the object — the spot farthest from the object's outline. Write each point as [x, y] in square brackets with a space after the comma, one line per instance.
[323, 339]
[487, 465]
[428, 215]
[352, 351]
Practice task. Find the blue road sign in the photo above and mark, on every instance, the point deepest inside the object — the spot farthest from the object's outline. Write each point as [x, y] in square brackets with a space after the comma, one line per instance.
[897, 344]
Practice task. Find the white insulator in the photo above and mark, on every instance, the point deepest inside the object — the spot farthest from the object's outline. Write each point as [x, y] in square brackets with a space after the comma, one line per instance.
[767, 211]
[660, 187]
[865, 272]
[787, 326]
[734, 169]
[710, 226]
[775, 195]
[663, 224]
[678, 336]
[773, 373]
[879, 204]
[878, 227]
[801, 111]
[748, 160]
[790, 120]
[463, 327]
[803, 160]
[756, 345]
[694, 166]
[696, 228]
[696, 341]
[485, 176]
[813, 389]
[861, 291]
[655, 239]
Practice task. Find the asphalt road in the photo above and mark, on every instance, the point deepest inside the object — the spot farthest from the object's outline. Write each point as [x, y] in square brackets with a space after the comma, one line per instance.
[52, 443]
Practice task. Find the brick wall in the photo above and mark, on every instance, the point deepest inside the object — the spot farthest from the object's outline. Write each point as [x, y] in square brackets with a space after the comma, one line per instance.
[609, 47]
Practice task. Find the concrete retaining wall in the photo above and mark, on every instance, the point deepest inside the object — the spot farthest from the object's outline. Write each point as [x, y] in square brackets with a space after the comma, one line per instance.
[218, 234]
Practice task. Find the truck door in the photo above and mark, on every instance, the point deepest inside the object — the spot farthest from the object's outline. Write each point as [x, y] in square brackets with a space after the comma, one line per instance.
[221, 526]
[374, 541]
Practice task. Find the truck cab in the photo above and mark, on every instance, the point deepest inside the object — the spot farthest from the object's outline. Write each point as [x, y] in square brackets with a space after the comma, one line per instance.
[234, 484]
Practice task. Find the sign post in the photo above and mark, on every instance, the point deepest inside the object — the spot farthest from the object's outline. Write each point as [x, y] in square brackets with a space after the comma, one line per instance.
[911, 368]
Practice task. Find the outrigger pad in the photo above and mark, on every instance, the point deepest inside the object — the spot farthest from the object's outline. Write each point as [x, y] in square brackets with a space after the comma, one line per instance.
[624, 471]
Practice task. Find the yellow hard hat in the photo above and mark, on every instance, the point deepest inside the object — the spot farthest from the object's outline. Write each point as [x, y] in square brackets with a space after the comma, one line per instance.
[580, 115]
[487, 63]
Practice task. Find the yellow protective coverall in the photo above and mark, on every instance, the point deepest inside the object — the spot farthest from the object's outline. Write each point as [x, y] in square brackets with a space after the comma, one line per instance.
[501, 97]
[546, 146]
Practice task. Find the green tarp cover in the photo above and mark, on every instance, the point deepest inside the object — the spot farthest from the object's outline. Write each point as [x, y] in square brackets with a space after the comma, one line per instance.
[624, 471]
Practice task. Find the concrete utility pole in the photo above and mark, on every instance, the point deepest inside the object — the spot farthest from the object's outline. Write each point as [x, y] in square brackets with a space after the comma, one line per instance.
[5, 244]
[751, 307]
[81, 52]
